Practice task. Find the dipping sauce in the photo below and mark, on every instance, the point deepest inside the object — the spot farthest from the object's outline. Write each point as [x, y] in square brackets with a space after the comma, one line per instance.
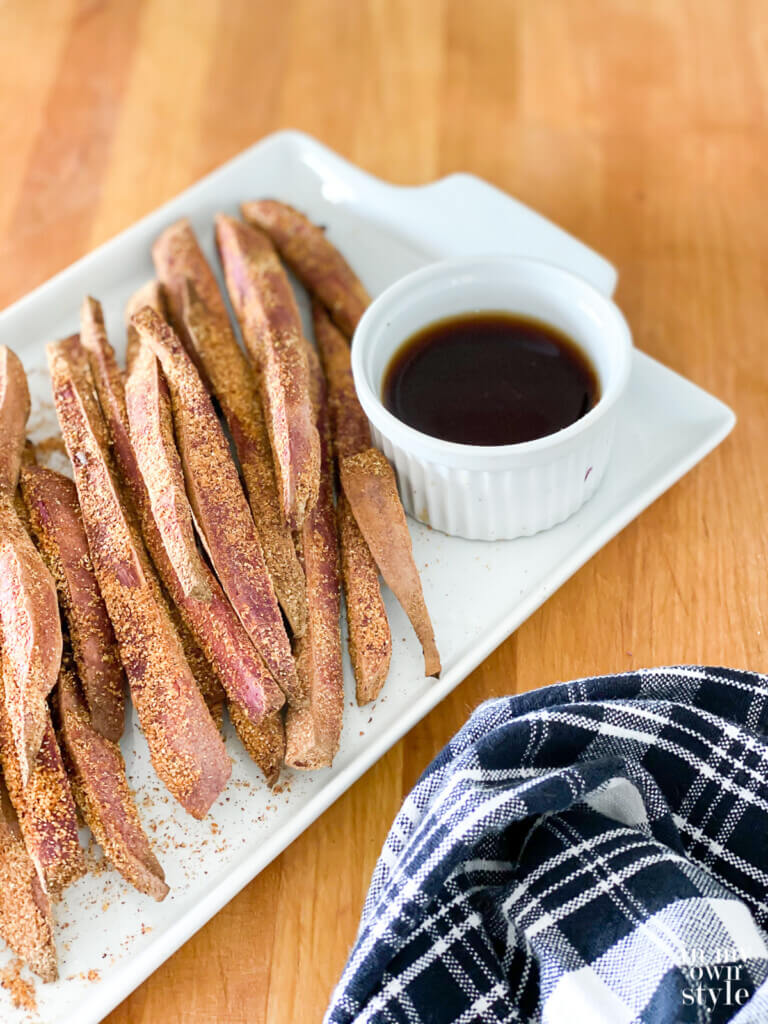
[489, 379]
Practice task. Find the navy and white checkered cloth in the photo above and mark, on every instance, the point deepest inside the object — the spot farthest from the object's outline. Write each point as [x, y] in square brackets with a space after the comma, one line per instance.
[591, 852]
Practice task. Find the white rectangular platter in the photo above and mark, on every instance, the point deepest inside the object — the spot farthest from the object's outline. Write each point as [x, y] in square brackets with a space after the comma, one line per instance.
[477, 593]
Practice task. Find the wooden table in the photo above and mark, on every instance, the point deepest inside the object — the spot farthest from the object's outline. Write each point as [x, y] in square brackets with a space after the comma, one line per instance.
[639, 125]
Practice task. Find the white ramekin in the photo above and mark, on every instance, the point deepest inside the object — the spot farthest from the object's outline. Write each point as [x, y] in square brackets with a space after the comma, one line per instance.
[505, 491]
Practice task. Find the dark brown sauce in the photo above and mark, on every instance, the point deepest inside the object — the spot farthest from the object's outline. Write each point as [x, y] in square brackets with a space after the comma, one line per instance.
[489, 379]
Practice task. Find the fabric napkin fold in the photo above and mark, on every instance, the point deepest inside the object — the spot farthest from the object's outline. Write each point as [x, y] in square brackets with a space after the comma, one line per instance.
[594, 851]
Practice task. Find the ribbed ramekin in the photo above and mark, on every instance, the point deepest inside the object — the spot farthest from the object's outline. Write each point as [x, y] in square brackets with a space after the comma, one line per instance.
[504, 491]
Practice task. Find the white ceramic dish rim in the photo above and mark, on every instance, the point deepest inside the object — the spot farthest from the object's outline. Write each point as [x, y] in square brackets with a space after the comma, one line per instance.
[471, 270]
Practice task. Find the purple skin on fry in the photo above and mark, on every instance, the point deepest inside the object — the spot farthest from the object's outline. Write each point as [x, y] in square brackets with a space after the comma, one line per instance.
[209, 617]
[54, 517]
[103, 793]
[219, 504]
[45, 809]
[115, 438]
[271, 327]
[313, 732]
[199, 316]
[370, 639]
[26, 921]
[29, 615]
[186, 749]
[369, 483]
[313, 258]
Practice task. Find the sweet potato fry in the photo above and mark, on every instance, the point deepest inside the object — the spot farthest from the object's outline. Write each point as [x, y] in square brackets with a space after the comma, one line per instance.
[111, 393]
[316, 262]
[269, 319]
[369, 483]
[178, 258]
[211, 634]
[349, 424]
[31, 634]
[14, 413]
[29, 615]
[151, 430]
[241, 406]
[207, 679]
[186, 748]
[219, 505]
[313, 732]
[265, 743]
[200, 318]
[26, 921]
[370, 639]
[28, 458]
[209, 615]
[55, 520]
[105, 373]
[169, 504]
[151, 294]
[45, 809]
[103, 794]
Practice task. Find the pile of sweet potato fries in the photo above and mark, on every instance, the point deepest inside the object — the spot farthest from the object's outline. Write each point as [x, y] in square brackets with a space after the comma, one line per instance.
[220, 496]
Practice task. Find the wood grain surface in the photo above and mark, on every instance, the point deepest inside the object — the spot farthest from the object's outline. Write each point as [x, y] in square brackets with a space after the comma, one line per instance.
[639, 125]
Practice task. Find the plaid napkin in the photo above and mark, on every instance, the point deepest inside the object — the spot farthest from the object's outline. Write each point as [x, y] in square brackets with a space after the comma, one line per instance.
[595, 851]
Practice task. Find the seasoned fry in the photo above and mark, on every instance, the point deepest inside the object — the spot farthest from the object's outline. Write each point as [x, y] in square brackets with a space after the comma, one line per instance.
[31, 634]
[177, 258]
[242, 411]
[185, 746]
[105, 374]
[200, 318]
[269, 319]
[29, 614]
[151, 294]
[151, 430]
[26, 921]
[111, 393]
[103, 794]
[369, 484]
[349, 424]
[14, 413]
[265, 743]
[313, 732]
[55, 520]
[370, 639]
[220, 508]
[207, 679]
[316, 262]
[45, 809]
[209, 615]
[28, 458]
[178, 537]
